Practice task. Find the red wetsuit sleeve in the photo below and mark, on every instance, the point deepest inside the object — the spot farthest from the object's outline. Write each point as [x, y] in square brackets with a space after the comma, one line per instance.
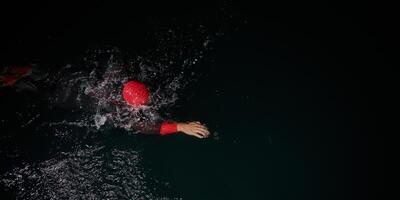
[159, 128]
[168, 128]
[8, 80]
[13, 74]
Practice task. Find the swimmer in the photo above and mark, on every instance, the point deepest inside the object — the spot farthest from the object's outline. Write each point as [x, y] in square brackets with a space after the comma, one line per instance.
[136, 94]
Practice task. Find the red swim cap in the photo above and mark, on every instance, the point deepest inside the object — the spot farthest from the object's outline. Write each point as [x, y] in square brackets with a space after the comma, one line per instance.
[135, 93]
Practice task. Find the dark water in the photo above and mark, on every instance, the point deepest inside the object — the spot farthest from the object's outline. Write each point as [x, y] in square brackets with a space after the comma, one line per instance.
[288, 97]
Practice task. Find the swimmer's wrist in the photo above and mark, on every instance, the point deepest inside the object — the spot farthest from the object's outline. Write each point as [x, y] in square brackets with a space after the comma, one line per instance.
[180, 126]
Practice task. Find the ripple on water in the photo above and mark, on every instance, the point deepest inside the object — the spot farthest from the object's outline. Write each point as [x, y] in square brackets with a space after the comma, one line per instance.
[90, 173]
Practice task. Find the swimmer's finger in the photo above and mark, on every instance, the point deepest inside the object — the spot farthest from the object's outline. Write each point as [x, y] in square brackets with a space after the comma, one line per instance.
[197, 123]
[203, 128]
[200, 129]
[197, 135]
[193, 132]
[200, 126]
[206, 132]
[202, 132]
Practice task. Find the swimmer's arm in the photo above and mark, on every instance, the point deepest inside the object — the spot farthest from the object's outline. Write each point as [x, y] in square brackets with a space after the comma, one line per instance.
[195, 129]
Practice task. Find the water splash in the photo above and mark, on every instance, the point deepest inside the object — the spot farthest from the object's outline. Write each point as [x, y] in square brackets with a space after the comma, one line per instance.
[87, 98]
[96, 87]
[94, 172]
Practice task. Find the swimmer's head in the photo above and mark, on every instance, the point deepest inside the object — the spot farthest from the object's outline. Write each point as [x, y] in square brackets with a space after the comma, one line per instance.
[135, 93]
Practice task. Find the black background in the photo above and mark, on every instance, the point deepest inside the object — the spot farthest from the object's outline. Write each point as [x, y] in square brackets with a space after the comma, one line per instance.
[292, 92]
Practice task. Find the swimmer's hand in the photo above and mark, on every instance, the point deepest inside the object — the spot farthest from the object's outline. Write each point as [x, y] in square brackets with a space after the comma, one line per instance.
[194, 129]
